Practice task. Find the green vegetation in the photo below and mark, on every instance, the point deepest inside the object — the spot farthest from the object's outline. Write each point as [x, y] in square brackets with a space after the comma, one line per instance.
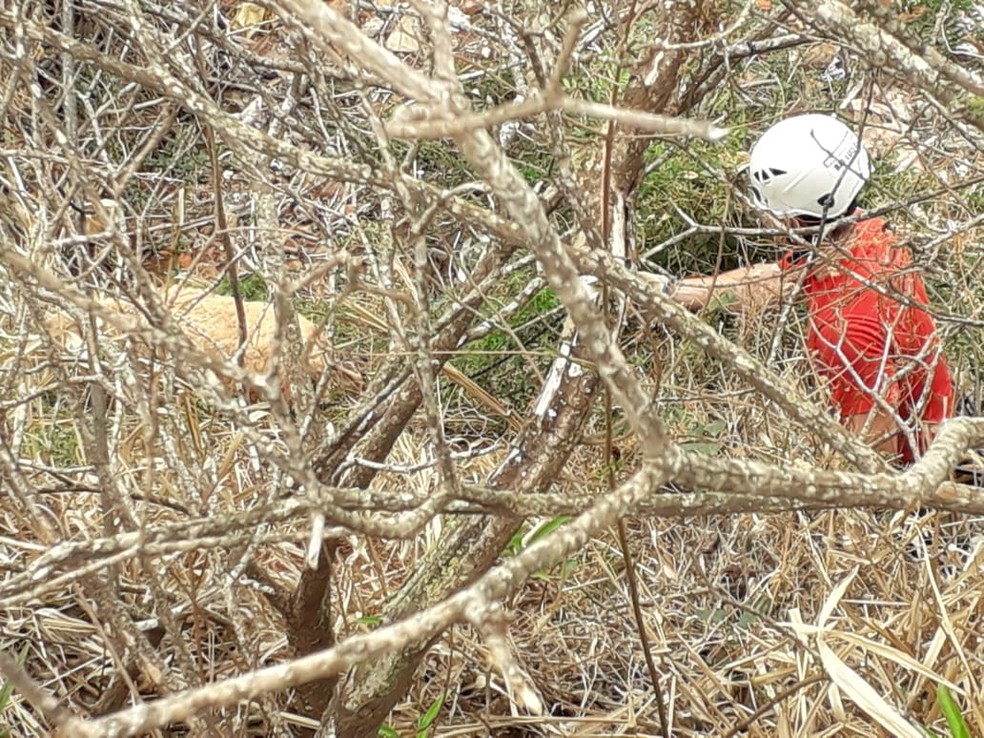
[7, 691]
[222, 488]
[186, 160]
[429, 718]
[56, 442]
[425, 723]
[252, 286]
[951, 711]
[503, 360]
[530, 533]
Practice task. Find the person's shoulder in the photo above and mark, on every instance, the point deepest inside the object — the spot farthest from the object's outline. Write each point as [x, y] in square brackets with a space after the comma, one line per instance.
[872, 227]
[874, 241]
[871, 236]
[791, 259]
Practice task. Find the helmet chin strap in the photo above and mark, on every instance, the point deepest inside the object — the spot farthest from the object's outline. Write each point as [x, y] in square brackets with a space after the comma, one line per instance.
[806, 253]
[828, 228]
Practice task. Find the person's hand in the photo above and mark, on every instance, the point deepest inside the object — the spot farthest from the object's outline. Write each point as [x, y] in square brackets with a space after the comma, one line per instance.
[661, 284]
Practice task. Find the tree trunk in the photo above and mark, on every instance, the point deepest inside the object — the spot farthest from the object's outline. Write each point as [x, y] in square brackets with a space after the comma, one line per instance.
[469, 546]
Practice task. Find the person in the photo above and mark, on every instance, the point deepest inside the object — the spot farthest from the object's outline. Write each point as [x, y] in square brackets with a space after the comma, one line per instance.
[870, 334]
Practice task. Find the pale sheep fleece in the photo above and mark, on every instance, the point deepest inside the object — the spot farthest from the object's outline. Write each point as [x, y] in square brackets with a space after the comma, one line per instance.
[211, 323]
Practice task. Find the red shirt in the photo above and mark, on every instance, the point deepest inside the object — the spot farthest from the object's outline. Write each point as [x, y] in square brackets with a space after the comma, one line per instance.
[873, 343]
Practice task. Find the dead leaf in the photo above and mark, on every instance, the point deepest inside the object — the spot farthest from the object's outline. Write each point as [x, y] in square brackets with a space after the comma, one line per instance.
[405, 37]
[855, 688]
[249, 15]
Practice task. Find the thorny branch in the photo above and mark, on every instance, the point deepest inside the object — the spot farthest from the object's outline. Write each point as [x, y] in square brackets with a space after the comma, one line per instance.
[288, 463]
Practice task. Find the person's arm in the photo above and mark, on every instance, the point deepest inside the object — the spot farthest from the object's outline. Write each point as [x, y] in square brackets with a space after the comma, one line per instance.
[756, 285]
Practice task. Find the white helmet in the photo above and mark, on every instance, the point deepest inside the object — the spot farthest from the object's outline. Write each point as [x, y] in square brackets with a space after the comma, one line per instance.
[810, 166]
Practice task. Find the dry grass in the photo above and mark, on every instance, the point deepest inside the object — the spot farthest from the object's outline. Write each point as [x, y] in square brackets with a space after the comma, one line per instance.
[722, 598]
[743, 612]
[728, 604]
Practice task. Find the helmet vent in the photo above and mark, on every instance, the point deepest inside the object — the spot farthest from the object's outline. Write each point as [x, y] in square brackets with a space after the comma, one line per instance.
[764, 175]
